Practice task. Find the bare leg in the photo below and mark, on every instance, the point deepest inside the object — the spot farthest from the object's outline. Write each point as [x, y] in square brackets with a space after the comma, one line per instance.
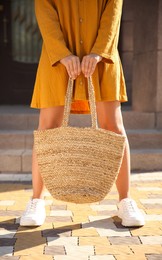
[110, 118]
[49, 118]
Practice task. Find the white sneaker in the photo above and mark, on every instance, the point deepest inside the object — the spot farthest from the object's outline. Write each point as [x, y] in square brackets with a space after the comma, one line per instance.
[129, 213]
[35, 213]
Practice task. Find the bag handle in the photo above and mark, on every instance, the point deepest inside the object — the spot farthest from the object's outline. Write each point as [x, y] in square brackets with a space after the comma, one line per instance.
[91, 97]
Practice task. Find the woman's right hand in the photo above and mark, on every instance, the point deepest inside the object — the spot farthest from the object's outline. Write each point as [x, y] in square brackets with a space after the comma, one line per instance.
[73, 66]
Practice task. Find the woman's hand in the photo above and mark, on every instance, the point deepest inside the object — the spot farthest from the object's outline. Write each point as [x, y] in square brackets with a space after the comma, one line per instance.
[73, 66]
[89, 63]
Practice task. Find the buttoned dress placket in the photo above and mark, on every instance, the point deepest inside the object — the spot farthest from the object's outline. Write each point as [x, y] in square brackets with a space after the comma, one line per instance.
[81, 80]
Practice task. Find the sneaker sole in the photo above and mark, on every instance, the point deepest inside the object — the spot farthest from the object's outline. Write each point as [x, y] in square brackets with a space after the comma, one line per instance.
[132, 224]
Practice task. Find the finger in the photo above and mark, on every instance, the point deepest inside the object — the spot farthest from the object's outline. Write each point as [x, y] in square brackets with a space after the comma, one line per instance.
[68, 66]
[91, 68]
[82, 65]
[78, 67]
[68, 70]
[85, 65]
[75, 67]
[71, 69]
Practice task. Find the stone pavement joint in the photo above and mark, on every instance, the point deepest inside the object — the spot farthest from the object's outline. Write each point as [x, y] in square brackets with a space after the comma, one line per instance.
[83, 232]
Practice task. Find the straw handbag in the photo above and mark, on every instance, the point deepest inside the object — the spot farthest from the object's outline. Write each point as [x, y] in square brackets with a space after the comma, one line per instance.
[79, 165]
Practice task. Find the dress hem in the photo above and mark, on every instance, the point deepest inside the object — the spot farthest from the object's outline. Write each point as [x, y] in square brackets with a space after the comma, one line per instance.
[61, 103]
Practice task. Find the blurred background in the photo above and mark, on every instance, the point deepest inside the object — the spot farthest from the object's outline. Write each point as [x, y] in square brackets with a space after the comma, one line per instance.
[140, 48]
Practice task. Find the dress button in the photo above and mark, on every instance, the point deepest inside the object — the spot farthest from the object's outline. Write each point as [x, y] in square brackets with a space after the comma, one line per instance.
[80, 20]
[81, 82]
[81, 42]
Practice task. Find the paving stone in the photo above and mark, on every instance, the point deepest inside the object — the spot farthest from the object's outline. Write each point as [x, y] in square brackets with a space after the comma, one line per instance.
[58, 241]
[112, 250]
[153, 211]
[6, 202]
[146, 231]
[80, 218]
[84, 213]
[7, 241]
[9, 257]
[23, 247]
[124, 240]
[79, 207]
[84, 232]
[146, 177]
[151, 240]
[3, 207]
[151, 201]
[144, 249]
[149, 188]
[7, 233]
[93, 241]
[79, 250]
[7, 220]
[67, 225]
[107, 213]
[153, 206]
[100, 219]
[111, 232]
[108, 202]
[159, 196]
[9, 226]
[56, 233]
[58, 207]
[104, 207]
[67, 257]
[102, 257]
[6, 250]
[11, 212]
[131, 257]
[29, 242]
[100, 222]
[153, 217]
[58, 219]
[54, 250]
[154, 257]
[36, 257]
[32, 251]
[106, 227]
[62, 213]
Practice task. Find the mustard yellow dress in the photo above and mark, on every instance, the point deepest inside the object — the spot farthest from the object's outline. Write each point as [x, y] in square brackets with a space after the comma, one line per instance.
[78, 27]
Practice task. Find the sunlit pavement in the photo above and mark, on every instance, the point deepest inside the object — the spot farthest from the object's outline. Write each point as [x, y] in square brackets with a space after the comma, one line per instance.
[81, 232]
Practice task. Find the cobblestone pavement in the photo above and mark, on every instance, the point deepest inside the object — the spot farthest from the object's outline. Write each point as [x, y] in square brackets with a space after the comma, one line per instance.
[81, 232]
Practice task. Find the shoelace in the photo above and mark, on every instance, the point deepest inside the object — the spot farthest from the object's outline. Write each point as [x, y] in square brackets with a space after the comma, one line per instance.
[130, 207]
[32, 206]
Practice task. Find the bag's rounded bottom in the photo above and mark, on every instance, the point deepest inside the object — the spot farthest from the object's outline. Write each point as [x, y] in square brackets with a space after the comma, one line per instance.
[80, 197]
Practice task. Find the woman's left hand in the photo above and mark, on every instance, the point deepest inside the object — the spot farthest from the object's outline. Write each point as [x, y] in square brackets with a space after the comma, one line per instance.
[89, 63]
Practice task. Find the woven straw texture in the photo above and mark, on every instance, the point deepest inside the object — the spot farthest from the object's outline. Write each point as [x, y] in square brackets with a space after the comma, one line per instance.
[78, 165]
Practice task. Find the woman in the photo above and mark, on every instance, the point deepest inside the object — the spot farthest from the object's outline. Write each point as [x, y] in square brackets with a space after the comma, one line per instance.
[80, 39]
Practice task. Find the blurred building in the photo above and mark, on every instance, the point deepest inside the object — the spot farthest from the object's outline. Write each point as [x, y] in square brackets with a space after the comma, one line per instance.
[140, 48]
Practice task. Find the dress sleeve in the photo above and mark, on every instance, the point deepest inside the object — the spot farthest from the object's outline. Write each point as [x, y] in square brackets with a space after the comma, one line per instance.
[49, 25]
[108, 34]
